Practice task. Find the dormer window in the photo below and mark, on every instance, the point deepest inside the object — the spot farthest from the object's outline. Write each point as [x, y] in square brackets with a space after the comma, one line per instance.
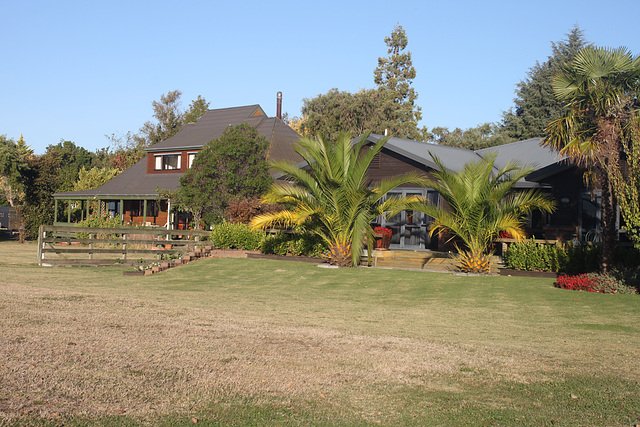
[190, 157]
[168, 161]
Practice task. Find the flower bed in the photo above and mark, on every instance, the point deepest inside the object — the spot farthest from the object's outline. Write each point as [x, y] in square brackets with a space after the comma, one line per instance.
[594, 282]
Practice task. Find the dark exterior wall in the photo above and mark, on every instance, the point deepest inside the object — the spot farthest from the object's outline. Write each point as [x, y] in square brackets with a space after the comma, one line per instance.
[389, 164]
[564, 223]
[4, 216]
[567, 185]
[183, 162]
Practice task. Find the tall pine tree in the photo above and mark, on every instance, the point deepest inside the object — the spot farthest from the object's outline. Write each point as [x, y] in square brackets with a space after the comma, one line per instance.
[389, 108]
[394, 76]
[535, 103]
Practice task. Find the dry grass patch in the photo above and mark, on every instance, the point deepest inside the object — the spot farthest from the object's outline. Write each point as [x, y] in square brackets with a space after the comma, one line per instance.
[79, 354]
[262, 342]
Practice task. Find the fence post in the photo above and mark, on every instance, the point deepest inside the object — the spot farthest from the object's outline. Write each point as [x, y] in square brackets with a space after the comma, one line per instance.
[90, 246]
[40, 243]
[124, 246]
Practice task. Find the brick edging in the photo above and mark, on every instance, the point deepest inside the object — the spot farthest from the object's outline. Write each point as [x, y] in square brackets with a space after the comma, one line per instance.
[206, 252]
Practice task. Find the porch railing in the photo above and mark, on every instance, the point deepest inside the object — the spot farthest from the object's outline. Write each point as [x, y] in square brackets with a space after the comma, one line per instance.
[70, 245]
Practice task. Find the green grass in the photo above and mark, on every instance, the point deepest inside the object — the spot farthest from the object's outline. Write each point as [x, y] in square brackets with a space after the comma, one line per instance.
[522, 351]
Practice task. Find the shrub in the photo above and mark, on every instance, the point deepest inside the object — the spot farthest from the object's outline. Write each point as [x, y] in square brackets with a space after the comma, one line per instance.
[530, 255]
[299, 244]
[628, 274]
[99, 221]
[236, 236]
[582, 259]
[594, 282]
[244, 209]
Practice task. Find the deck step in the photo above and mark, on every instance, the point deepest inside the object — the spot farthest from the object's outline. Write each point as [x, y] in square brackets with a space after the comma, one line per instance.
[418, 260]
[450, 267]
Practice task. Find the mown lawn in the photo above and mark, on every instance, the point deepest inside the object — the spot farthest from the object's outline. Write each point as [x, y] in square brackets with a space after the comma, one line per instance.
[258, 342]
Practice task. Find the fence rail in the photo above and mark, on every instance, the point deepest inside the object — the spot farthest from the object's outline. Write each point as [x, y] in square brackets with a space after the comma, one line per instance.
[69, 245]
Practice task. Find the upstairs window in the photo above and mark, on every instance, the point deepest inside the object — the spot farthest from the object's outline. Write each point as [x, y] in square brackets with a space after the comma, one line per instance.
[190, 157]
[167, 162]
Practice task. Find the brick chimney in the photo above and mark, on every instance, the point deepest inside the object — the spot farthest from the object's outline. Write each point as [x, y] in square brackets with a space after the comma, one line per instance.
[279, 106]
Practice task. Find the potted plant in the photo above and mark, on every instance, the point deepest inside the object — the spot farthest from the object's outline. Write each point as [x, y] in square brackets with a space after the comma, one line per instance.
[383, 238]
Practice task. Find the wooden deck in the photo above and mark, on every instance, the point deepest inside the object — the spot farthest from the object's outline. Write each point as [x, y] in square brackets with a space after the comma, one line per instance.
[419, 260]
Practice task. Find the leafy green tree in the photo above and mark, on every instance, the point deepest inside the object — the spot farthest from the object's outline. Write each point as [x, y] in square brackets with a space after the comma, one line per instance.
[94, 177]
[125, 151]
[481, 202]
[626, 182]
[535, 102]
[197, 108]
[68, 159]
[394, 76]
[338, 112]
[600, 90]
[13, 164]
[169, 119]
[388, 109]
[333, 197]
[55, 171]
[231, 166]
[482, 136]
[396, 72]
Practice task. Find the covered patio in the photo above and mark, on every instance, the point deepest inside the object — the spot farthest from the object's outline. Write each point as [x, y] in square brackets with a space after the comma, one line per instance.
[134, 195]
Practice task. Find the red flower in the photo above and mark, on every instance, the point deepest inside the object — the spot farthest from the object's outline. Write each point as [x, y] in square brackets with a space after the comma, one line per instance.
[581, 282]
[384, 231]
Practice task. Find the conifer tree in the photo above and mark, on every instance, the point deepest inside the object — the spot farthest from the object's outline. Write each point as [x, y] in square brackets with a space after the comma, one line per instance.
[394, 76]
[535, 103]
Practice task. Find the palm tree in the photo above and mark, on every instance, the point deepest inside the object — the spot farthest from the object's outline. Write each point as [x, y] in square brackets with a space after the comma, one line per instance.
[481, 203]
[600, 88]
[333, 194]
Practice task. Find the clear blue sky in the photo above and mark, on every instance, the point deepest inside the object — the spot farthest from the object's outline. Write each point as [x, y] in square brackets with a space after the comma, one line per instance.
[78, 70]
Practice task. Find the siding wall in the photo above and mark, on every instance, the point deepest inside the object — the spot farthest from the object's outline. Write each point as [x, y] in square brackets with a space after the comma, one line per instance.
[184, 162]
[390, 164]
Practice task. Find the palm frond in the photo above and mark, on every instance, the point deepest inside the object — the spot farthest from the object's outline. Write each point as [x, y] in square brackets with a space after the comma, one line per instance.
[333, 192]
[481, 201]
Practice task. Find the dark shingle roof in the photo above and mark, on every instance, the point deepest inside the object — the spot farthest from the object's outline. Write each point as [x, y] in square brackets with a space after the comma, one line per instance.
[528, 153]
[211, 125]
[454, 158]
[281, 138]
[135, 182]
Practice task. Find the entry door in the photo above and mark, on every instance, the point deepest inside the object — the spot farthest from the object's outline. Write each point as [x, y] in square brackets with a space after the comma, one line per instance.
[409, 227]
[590, 216]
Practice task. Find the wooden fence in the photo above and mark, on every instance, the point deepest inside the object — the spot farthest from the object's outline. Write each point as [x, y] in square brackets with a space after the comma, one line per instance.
[89, 246]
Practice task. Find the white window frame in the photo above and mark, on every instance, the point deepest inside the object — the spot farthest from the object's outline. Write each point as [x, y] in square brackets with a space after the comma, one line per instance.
[190, 157]
[160, 164]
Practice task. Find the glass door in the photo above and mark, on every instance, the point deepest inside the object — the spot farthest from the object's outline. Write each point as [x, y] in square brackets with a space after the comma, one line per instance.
[409, 228]
[590, 216]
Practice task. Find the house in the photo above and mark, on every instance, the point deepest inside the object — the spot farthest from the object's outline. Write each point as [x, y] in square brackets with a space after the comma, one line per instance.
[576, 216]
[135, 192]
